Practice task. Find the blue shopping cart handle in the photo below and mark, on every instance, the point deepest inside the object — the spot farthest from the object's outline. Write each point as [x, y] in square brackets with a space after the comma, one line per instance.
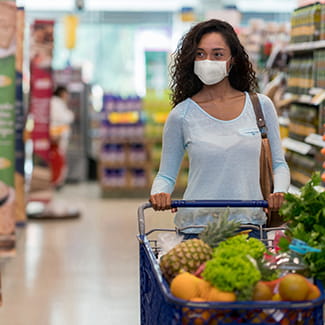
[219, 203]
[201, 204]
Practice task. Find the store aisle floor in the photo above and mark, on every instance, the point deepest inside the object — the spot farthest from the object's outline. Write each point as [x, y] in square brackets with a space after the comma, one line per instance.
[76, 272]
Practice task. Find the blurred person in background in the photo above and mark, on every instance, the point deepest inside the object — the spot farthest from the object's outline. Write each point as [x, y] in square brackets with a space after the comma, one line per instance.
[61, 118]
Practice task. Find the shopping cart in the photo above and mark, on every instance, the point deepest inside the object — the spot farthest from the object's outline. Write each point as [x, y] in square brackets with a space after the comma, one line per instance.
[159, 307]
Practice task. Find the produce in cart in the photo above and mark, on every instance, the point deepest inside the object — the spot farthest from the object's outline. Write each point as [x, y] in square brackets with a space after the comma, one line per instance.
[223, 266]
[237, 271]
[215, 293]
[305, 216]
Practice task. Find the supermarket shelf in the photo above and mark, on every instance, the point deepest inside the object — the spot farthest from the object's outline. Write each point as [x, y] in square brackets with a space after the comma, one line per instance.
[305, 46]
[118, 192]
[124, 164]
[301, 99]
[315, 99]
[315, 139]
[117, 140]
[296, 146]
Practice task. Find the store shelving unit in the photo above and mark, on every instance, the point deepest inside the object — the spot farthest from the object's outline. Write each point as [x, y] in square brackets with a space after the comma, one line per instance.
[131, 172]
[304, 140]
[306, 92]
[124, 167]
[124, 155]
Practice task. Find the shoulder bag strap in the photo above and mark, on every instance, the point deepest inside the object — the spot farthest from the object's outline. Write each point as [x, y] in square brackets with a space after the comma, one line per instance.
[259, 114]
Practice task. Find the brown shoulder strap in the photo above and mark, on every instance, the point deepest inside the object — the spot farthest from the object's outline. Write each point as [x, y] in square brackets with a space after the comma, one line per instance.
[259, 114]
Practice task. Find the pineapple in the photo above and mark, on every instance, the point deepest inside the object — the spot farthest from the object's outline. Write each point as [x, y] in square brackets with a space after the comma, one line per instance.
[219, 230]
[186, 256]
[190, 254]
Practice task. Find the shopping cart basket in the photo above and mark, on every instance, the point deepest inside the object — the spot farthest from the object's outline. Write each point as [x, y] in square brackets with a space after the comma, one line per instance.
[160, 307]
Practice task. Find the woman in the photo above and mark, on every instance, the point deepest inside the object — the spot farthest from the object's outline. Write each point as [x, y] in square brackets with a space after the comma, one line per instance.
[214, 121]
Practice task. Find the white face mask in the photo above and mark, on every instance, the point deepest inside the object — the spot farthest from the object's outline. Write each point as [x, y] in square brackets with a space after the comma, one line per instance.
[210, 72]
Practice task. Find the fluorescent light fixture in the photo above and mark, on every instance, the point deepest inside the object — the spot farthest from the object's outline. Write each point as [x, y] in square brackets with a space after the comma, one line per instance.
[266, 6]
[64, 5]
[138, 5]
[157, 5]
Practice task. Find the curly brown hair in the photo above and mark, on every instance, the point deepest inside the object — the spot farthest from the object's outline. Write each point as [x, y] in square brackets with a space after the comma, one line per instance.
[185, 83]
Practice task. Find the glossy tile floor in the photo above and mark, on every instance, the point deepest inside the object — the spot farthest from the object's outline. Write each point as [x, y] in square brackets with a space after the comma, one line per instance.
[77, 272]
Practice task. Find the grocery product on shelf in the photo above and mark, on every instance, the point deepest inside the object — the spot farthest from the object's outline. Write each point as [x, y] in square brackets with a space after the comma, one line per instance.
[305, 92]
[301, 74]
[306, 23]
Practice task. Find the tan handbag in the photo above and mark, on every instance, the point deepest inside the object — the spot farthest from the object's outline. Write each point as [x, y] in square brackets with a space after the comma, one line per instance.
[266, 171]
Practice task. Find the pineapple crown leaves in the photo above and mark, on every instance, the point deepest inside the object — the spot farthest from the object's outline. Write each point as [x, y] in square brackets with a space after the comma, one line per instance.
[219, 230]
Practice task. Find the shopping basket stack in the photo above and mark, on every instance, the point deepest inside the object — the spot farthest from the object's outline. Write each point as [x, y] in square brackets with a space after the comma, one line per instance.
[160, 307]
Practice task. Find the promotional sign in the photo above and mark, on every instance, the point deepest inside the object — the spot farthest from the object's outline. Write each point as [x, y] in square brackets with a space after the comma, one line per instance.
[20, 214]
[41, 86]
[7, 122]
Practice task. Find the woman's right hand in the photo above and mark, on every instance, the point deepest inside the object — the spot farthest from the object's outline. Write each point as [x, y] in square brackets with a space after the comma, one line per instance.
[161, 201]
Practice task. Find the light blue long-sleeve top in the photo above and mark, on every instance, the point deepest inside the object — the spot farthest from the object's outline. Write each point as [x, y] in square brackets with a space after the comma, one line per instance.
[223, 160]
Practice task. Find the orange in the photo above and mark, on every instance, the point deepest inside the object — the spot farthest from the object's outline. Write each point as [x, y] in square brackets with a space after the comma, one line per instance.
[313, 293]
[260, 318]
[276, 297]
[272, 284]
[204, 288]
[215, 294]
[184, 286]
[293, 287]
[262, 292]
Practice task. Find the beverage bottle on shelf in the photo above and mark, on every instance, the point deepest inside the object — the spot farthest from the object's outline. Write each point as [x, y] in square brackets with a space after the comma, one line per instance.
[316, 21]
[322, 22]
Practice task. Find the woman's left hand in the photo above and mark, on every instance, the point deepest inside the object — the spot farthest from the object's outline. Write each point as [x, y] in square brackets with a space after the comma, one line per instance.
[275, 200]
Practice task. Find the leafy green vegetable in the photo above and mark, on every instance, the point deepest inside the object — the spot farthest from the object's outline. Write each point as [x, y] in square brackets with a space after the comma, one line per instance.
[305, 216]
[232, 267]
[241, 245]
[234, 274]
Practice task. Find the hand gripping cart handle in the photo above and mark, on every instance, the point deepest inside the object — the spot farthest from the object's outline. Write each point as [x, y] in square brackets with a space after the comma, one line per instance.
[201, 204]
